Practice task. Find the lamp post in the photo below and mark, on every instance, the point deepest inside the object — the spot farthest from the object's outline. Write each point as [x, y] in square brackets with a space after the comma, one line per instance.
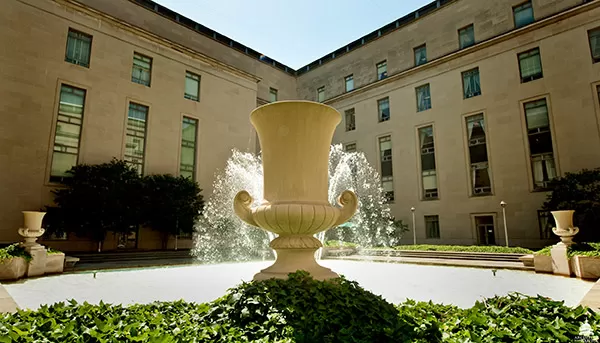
[503, 204]
[412, 209]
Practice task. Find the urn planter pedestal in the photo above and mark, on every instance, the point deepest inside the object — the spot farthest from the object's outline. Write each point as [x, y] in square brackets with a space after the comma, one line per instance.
[31, 231]
[295, 137]
[566, 231]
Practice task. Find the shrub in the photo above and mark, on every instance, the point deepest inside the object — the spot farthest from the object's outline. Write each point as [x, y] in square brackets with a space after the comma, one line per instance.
[466, 248]
[580, 192]
[303, 310]
[584, 249]
[172, 204]
[100, 198]
[14, 250]
[338, 244]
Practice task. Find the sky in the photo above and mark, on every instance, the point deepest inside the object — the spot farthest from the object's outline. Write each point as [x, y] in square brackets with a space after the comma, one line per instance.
[294, 32]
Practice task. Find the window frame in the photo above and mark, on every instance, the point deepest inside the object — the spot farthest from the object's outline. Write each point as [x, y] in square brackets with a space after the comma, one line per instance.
[197, 134]
[596, 29]
[423, 194]
[464, 28]
[185, 94]
[377, 66]
[51, 180]
[379, 167]
[424, 47]
[427, 233]
[353, 114]
[514, 13]
[346, 79]
[417, 97]
[462, 74]
[531, 77]
[133, 66]
[67, 48]
[146, 130]
[471, 190]
[379, 116]
[321, 90]
[346, 145]
[273, 91]
[525, 131]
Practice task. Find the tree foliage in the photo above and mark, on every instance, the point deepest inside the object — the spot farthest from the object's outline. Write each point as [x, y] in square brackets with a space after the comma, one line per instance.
[580, 192]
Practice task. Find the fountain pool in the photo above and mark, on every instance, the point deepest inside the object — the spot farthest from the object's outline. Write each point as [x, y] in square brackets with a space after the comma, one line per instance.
[203, 283]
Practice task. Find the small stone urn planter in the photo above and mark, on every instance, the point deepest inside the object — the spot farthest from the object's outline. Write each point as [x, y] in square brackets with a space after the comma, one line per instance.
[295, 137]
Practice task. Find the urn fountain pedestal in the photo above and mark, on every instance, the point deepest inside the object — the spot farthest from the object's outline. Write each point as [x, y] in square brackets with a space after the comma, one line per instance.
[295, 137]
[31, 231]
[566, 231]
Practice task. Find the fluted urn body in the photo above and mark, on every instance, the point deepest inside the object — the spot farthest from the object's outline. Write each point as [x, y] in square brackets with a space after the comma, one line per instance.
[295, 137]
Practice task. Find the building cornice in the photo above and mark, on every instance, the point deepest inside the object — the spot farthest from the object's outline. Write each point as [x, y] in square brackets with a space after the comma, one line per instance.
[159, 40]
[463, 52]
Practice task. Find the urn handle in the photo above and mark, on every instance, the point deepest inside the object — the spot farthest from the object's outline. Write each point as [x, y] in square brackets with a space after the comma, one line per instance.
[241, 206]
[349, 203]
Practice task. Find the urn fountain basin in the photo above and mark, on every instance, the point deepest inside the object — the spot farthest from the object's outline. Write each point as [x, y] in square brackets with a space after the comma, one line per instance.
[295, 137]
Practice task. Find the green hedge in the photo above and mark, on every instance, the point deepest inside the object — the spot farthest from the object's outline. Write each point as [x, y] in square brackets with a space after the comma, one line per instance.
[302, 310]
[578, 249]
[14, 250]
[466, 248]
[339, 244]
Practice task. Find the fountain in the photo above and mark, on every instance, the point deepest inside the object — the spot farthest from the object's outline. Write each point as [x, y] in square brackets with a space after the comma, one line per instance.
[295, 137]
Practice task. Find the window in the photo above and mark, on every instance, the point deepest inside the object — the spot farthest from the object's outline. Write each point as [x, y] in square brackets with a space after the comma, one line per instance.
[387, 172]
[471, 84]
[432, 226]
[540, 143]
[381, 70]
[272, 94]
[350, 120]
[383, 108]
[142, 69]
[428, 173]
[420, 55]
[349, 83]
[546, 223]
[189, 132]
[67, 136]
[484, 226]
[423, 98]
[321, 94]
[478, 156]
[192, 86]
[594, 36]
[530, 65]
[135, 137]
[79, 47]
[350, 147]
[523, 14]
[466, 36]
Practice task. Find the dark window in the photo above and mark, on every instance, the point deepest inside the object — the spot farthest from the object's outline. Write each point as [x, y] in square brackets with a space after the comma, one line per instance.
[485, 230]
[383, 108]
[420, 55]
[594, 37]
[530, 65]
[350, 120]
[478, 158]
[189, 133]
[387, 172]
[540, 143]
[432, 226]
[142, 69]
[466, 36]
[428, 170]
[79, 47]
[135, 137]
[423, 98]
[523, 14]
[471, 83]
[192, 86]
[381, 70]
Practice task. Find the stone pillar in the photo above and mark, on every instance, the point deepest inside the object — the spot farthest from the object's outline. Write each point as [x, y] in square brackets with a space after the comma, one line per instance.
[565, 230]
[560, 260]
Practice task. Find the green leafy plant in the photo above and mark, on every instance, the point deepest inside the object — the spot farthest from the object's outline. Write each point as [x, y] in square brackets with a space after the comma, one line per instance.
[466, 248]
[340, 244]
[302, 310]
[53, 252]
[580, 192]
[545, 251]
[172, 204]
[584, 249]
[14, 250]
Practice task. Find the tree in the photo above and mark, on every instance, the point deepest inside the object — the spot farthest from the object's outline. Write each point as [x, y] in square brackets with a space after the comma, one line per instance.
[172, 205]
[99, 198]
[580, 192]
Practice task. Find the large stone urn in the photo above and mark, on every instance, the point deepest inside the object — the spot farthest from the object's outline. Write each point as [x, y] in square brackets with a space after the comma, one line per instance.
[295, 137]
[564, 226]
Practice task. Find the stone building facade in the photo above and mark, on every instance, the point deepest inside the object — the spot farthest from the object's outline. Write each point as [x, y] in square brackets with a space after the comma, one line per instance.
[460, 105]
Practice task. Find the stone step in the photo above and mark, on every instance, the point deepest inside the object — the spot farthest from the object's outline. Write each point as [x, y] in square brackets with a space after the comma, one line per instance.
[131, 255]
[443, 255]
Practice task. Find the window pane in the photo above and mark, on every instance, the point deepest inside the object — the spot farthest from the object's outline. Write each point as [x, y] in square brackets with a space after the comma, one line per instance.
[192, 86]
[544, 170]
[536, 114]
[350, 120]
[595, 44]
[272, 94]
[420, 55]
[382, 70]
[471, 84]
[384, 109]
[466, 36]
[530, 65]
[423, 98]
[523, 14]
[189, 133]
[135, 142]
[432, 226]
[78, 48]
[141, 70]
[481, 179]
[350, 147]
[349, 83]
[61, 162]
[321, 94]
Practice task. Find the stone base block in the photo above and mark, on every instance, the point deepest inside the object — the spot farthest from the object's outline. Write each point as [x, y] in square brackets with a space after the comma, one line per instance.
[560, 260]
[55, 263]
[13, 268]
[586, 267]
[37, 266]
[542, 263]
